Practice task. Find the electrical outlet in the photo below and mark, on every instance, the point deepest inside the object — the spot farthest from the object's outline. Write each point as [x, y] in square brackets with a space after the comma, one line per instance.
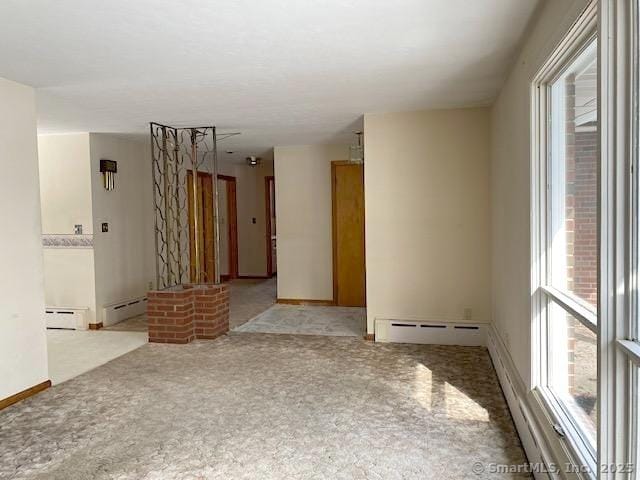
[468, 314]
[150, 286]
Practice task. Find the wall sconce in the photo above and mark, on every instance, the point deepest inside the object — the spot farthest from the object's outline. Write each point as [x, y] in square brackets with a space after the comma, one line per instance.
[356, 152]
[108, 168]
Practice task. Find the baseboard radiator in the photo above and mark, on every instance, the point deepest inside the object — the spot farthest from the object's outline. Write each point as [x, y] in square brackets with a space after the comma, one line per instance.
[116, 312]
[67, 318]
[515, 392]
[434, 333]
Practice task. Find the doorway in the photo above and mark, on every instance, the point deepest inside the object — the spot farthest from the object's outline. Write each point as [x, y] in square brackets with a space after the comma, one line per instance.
[270, 222]
[347, 189]
[203, 213]
[228, 225]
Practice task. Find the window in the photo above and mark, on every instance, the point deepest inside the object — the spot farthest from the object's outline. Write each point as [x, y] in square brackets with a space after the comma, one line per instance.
[573, 368]
[573, 133]
[565, 245]
[630, 343]
[586, 242]
[571, 284]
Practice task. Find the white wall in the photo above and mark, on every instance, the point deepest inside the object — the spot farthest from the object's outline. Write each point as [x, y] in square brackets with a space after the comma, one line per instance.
[427, 215]
[65, 194]
[70, 279]
[65, 183]
[511, 184]
[120, 268]
[304, 219]
[23, 345]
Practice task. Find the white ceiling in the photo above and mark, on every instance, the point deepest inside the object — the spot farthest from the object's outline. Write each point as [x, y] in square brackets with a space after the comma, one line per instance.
[280, 71]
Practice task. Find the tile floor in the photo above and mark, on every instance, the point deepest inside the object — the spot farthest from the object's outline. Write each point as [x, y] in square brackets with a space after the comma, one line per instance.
[73, 352]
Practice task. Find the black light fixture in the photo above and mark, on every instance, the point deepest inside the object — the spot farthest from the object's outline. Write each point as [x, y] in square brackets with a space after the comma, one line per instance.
[108, 168]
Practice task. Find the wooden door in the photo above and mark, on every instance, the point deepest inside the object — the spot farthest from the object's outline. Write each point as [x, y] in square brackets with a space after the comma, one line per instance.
[227, 189]
[348, 234]
[270, 224]
[204, 212]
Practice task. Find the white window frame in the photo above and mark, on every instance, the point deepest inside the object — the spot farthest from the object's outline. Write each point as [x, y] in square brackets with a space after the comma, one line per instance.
[569, 443]
[619, 349]
[619, 244]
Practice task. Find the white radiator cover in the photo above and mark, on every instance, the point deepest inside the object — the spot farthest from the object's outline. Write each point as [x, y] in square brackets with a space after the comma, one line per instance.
[67, 318]
[434, 333]
[515, 392]
[116, 312]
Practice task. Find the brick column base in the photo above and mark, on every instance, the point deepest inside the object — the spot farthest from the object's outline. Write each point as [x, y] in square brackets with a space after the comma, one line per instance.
[186, 312]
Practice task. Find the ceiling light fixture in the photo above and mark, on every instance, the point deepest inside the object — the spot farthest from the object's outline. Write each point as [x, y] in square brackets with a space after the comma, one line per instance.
[253, 161]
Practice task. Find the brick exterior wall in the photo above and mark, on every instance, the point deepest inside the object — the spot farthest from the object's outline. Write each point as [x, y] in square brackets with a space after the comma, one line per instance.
[581, 199]
[585, 195]
[187, 312]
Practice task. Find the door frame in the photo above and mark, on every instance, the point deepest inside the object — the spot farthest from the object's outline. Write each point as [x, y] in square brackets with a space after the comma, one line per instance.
[334, 229]
[232, 219]
[268, 180]
[193, 210]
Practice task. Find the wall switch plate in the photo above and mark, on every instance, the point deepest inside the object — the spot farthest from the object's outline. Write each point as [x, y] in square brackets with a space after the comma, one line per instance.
[77, 229]
[105, 227]
[468, 314]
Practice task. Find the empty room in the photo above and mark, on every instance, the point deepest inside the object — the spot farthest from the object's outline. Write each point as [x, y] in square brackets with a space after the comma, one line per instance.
[344, 239]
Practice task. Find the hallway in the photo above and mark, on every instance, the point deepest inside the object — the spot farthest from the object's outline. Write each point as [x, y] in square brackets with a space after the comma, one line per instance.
[270, 407]
[248, 298]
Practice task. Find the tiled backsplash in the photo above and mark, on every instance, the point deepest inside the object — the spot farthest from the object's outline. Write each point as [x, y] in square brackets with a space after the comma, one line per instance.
[67, 241]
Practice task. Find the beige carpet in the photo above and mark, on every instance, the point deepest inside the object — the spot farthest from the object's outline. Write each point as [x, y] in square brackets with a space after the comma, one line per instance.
[248, 298]
[309, 320]
[260, 406]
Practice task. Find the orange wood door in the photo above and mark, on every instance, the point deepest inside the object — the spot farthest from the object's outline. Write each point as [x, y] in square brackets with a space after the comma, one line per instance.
[348, 234]
[230, 188]
[204, 210]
